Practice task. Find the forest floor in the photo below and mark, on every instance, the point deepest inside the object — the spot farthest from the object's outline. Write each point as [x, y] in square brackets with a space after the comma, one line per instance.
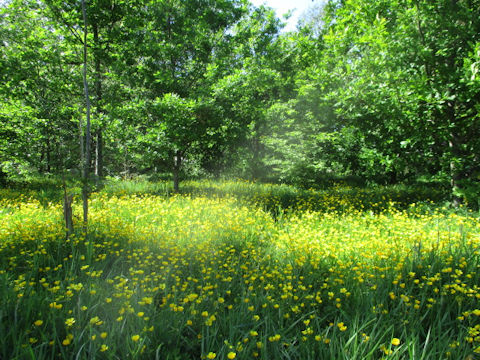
[238, 270]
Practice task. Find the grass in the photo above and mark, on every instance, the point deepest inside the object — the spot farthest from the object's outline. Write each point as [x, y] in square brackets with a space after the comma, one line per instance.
[217, 273]
[280, 198]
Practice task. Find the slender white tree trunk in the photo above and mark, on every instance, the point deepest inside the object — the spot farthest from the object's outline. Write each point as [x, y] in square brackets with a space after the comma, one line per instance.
[86, 162]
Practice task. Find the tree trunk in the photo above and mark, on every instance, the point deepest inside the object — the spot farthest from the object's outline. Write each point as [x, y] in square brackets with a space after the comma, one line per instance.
[41, 168]
[99, 155]
[86, 165]
[67, 210]
[126, 168]
[3, 178]
[177, 163]
[256, 162]
[456, 169]
[49, 155]
[98, 100]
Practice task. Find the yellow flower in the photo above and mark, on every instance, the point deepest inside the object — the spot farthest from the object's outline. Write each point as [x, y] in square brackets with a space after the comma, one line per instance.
[147, 300]
[66, 342]
[103, 335]
[103, 348]
[69, 322]
[135, 338]
[55, 305]
[395, 341]
[211, 355]
[95, 320]
[231, 355]
[276, 337]
[38, 323]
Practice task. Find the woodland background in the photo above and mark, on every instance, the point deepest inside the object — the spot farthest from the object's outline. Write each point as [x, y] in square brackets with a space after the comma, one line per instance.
[368, 92]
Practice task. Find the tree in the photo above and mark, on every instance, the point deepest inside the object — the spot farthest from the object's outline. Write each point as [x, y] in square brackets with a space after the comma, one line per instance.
[261, 74]
[85, 151]
[105, 19]
[404, 74]
[174, 46]
[37, 86]
[172, 131]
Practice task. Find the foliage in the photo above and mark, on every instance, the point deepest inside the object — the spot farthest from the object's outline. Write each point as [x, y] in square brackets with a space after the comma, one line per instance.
[402, 73]
[385, 91]
[35, 114]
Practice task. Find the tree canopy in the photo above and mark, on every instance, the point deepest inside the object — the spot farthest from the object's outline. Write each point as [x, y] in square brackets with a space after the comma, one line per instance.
[382, 91]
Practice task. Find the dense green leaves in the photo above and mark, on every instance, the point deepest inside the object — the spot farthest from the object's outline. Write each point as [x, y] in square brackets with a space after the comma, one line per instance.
[381, 90]
[402, 67]
[36, 87]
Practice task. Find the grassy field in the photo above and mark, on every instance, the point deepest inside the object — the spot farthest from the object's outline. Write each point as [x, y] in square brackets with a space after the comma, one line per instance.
[235, 270]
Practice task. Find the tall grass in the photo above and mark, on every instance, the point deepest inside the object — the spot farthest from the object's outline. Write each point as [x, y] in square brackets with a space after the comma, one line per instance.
[190, 276]
[278, 198]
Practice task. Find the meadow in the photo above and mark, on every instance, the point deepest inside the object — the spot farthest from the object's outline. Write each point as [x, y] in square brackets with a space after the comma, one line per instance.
[236, 270]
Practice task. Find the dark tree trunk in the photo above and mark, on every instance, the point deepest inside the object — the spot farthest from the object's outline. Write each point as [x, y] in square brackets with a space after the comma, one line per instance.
[3, 178]
[41, 167]
[126, 167]
[67, 211]
[392, 177]
[49, 154]
[60, 160]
